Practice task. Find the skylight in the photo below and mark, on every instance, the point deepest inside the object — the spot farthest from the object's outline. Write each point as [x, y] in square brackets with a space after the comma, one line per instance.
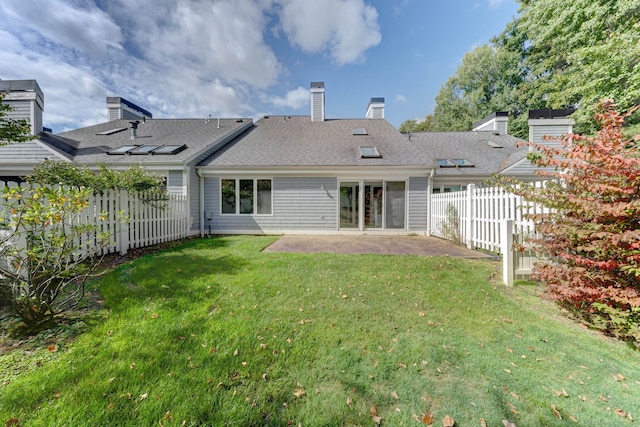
[454, 163]
[445, 163]
[359, 131]
[369, 152]
[493, 144]
[148, 149]
[462, 163]
[122, 150]
[144, 149]
[111, 131]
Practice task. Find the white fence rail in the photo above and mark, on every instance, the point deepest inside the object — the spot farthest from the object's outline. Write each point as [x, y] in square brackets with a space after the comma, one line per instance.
[490, 219]
[132, 220]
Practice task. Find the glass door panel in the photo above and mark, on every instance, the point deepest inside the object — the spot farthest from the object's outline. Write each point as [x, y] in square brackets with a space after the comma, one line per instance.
[349, 204]
[395, 204]
[373, 204]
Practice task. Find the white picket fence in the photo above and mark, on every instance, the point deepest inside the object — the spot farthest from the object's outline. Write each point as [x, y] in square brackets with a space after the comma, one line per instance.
[132, 220]
[491, 219]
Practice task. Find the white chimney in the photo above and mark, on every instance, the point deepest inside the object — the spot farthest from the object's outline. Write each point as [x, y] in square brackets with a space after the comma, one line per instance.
[317, 101]
[27, 101]
[553, 123]
[119, 108]
[496, 122]
[375, 109]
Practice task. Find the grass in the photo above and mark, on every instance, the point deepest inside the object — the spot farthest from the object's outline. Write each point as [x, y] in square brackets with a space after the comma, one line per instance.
[216, 332]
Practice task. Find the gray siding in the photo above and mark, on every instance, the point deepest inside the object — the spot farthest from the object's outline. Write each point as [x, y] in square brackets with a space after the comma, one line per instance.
[193, 194]
[175, 182]
[299, 204]
[418, 203]
[24, 152]
[537, 133]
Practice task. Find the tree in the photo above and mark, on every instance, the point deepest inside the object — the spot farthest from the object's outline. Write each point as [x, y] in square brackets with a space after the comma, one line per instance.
[591, 236]
[576, 53]
[46, 253]
[415, 126]
[12, 130]
[485, 82]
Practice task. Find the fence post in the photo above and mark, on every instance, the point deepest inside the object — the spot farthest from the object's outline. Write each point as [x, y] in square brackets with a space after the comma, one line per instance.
[123, 234]
[471, 188]
[506, 249]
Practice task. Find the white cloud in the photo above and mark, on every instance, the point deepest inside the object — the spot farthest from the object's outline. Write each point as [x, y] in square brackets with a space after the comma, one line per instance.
[495, 3]
[176, 58]
[401, 98]
[294, 99]
[347, 28]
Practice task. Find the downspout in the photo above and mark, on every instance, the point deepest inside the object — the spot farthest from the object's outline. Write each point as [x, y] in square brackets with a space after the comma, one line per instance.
[201, 204]
[429, 192]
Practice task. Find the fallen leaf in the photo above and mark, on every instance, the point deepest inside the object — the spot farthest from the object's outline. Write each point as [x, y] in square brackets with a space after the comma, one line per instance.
[483, 423]
[572, 418]
[624, 414]
[394, 395]
[510, 350]
[374, 411]
[556, 412]
[154, 315]
[349, 402]
[299, 392]
[167, 416]
[235, 353]
[11, 422]
[427, 419]
[52, 348]
[377, 420]
[562, 393]
[447, 421]
[421, 313]
[604, 399]
[513, 408]
[515, 396]
[110, 380]
[506, 423]
[143, 396]
[619, 377]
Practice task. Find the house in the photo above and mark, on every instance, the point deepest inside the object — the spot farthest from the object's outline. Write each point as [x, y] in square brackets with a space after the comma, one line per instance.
[308, 174]
[291, 174]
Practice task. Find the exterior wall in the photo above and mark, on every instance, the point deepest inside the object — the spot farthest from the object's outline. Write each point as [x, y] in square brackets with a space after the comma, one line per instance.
[175, 182]
[418, 204]
[193, 195]
[299, 205]
[302, 205]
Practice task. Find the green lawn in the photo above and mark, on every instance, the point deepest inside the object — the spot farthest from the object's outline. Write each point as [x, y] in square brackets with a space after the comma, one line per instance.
[215, 332]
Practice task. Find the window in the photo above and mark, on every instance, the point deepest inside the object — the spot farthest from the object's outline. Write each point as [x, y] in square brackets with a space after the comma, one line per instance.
[245, 196]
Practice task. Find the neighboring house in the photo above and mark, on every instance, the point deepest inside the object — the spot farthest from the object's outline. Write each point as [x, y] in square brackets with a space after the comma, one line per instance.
[290, 174]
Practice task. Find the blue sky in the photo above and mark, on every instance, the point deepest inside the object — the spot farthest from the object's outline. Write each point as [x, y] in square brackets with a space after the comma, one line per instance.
[240, 58]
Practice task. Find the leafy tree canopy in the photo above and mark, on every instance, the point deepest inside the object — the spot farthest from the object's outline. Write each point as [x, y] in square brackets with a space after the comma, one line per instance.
[554, 54]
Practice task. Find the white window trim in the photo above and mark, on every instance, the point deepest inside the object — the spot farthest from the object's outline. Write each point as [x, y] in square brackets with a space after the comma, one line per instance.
[255, 197]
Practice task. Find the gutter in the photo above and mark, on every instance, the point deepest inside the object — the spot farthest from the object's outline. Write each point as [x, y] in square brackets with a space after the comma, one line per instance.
[201, 204]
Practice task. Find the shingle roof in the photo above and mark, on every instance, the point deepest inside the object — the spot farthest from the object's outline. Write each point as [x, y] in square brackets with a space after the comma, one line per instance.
[87, 146]
[473, 147]
[281, 141]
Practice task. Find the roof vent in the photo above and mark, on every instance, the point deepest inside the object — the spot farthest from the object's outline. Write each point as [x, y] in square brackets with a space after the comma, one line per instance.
[134, 129]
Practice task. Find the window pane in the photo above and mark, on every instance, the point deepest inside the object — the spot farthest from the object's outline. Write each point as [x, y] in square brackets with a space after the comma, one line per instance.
[264, 196]
[395, 203]
[246, 196]
[228, 196]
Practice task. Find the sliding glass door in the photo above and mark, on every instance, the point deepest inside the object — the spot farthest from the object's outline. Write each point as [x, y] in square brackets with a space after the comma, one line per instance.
[383, 205]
